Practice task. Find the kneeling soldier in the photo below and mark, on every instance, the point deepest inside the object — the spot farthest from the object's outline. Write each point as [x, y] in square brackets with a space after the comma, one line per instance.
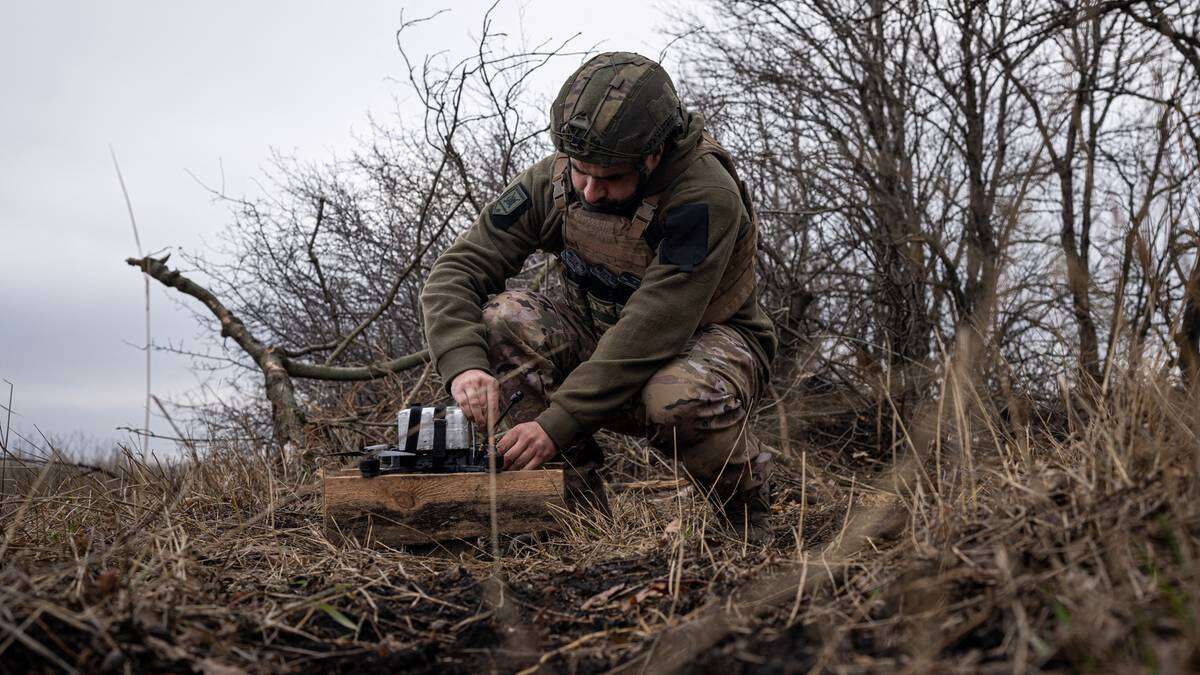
[660, 333]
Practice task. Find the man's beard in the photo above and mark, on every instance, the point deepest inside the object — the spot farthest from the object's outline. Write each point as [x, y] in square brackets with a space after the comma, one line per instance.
[625, 208]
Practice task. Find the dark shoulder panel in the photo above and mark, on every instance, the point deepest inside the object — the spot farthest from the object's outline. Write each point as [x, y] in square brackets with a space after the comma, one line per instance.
[685, 241]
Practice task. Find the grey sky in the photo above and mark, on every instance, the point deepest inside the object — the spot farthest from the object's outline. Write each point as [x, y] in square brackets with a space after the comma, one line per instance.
[206, 87]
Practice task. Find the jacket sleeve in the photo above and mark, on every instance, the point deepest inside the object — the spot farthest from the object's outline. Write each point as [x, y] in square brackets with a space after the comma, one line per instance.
[659, 317]
[477, 264]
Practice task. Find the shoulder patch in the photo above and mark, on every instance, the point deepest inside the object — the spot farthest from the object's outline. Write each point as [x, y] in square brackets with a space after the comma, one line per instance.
[510, 206]
[685, 241]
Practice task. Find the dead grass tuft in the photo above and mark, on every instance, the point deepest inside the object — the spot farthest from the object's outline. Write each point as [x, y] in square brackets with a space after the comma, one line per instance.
[1067, 543]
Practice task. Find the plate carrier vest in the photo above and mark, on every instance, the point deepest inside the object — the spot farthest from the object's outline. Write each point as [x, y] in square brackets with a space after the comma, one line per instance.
[605, 255]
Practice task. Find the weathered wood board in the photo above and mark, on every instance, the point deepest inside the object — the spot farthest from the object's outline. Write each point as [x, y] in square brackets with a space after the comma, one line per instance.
[402, 509]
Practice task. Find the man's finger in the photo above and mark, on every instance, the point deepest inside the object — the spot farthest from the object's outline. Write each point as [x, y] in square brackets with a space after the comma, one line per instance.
[478, 399]
[465, 404]
[534, 462]
[513, 458]
[519, 461]
[514, 452]
[505, 442]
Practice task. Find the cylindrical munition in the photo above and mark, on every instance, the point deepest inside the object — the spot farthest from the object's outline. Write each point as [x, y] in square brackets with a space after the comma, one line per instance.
[421, 434]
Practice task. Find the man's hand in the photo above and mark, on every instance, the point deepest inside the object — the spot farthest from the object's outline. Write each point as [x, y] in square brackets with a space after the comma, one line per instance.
[477, 393]
[526, 446]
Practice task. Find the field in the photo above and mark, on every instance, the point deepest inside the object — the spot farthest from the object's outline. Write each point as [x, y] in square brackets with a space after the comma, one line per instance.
[1062, 541]
[975, 228]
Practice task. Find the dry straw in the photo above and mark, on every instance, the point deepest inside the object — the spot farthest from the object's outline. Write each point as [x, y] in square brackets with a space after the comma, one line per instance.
[989, 544]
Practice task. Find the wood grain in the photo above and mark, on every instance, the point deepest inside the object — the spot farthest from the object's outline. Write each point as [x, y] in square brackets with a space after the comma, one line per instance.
[420, 508]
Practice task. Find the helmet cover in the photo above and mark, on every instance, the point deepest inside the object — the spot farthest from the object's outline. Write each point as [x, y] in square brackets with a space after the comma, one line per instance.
[617, 107]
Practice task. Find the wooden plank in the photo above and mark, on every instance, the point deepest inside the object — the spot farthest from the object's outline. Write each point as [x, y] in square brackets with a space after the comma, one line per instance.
[402, 509]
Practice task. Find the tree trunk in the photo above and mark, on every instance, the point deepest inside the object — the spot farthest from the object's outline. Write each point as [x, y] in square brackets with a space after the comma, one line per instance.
[286, 416]
[1187, 338]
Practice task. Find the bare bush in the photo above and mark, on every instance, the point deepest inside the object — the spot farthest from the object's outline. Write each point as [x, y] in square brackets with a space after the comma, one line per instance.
[934, 170]
[317, 279]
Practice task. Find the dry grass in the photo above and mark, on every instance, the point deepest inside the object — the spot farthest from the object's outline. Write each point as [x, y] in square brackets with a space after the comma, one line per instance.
[988, 545]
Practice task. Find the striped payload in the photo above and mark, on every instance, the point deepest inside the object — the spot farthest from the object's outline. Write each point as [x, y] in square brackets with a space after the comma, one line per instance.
[434, 428]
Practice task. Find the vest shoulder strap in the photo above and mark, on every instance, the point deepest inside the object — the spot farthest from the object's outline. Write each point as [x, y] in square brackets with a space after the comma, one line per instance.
[559, 181]
[644, 215]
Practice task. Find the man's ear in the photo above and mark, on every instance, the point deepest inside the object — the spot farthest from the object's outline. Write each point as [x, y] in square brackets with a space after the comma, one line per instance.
[652, 160]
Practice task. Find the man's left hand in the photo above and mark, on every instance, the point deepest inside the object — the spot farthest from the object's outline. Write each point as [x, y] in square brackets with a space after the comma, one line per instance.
[526, 446]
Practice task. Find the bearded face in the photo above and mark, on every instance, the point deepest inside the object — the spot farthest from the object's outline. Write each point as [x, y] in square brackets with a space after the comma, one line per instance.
[614, 188]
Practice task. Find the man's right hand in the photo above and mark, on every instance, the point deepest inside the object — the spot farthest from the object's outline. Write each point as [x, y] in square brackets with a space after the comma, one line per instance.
[477, 393]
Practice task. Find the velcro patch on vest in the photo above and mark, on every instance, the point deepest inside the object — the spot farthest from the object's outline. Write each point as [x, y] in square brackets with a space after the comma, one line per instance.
[686, 240]
[510, 206]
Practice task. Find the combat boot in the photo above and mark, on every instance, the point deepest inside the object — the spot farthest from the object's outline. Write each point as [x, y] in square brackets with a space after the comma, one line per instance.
[749, 515]
[748, 508]
[583, 486]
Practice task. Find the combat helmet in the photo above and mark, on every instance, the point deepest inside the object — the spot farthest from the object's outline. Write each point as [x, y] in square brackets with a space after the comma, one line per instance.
[617, 107]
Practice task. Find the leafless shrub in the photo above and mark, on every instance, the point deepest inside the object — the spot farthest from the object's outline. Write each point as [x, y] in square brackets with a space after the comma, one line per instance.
[317, 278]
[933, 170]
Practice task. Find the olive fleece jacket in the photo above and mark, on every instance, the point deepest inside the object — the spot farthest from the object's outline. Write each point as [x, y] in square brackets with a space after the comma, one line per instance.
[656, 322]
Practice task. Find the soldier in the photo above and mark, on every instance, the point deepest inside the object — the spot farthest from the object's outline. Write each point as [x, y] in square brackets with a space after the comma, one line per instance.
[660, 332]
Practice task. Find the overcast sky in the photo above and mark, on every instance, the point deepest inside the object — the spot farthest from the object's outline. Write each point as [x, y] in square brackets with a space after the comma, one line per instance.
[209, 88]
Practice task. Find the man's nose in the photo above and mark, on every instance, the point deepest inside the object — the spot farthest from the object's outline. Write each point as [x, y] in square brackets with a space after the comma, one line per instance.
[593, 192]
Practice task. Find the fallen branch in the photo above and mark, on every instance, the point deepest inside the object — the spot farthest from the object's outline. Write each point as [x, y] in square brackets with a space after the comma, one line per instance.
[278, 370]
[371, 371]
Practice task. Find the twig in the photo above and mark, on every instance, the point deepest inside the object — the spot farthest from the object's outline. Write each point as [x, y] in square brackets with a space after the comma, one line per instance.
[663, 484]
[545, 658]
[316, 263]
[36, 646]
[491, 453]
[138, 241]
[277, 368]
[395, 289]
[8, 423]
[7, 426]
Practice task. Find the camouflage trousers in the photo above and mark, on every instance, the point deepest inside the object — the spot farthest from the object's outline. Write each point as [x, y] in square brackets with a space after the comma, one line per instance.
[693, 410]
